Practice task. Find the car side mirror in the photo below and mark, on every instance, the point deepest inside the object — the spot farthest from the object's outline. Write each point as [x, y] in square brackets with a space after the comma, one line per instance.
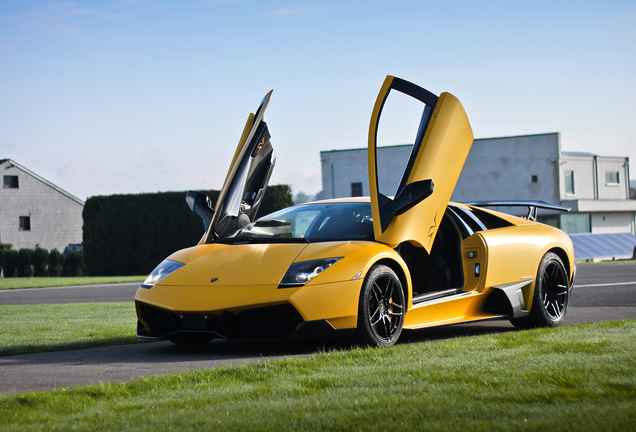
[200, 204]
[411, 195]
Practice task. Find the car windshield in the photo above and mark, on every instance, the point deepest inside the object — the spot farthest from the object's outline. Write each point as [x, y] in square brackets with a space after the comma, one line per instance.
[309, 223]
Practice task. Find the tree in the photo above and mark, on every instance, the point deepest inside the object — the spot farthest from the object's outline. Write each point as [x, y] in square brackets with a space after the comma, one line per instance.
[301, 197]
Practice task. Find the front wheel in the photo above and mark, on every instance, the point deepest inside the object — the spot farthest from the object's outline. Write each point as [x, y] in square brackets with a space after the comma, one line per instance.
[381, 308]
[551, 295]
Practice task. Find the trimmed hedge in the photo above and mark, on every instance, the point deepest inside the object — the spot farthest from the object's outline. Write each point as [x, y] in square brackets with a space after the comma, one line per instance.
[74, 264]
[24, 262]
[10, 262]
[131, 234]
[56, 263]
[40, 260]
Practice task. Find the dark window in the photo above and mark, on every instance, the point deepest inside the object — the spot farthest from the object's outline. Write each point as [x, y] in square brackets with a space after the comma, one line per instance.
[569, 182]
[25, 223]
[535, 179]
[10, 182]
[611, 177]
[356, 189]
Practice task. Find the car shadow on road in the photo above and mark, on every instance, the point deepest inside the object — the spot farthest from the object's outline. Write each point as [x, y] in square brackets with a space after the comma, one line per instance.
[311, 346]
[231, 352]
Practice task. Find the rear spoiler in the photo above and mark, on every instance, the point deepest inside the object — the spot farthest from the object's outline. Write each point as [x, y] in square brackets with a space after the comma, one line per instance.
[532, 206]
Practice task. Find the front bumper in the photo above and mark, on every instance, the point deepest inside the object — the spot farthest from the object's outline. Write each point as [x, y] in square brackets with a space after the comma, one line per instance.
[265, 323]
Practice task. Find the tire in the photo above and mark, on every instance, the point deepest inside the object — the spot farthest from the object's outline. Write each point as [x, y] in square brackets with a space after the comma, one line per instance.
[551, 295]
[190, 339]
[381, 308]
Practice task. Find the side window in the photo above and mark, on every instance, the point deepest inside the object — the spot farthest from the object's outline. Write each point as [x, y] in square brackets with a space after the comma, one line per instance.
[611, 178]
[10, 182]
[25, 223]
[356, 189]
[569, 182]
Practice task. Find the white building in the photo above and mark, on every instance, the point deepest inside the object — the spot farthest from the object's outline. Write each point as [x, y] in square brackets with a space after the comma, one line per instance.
[35, 212]
[529, 167]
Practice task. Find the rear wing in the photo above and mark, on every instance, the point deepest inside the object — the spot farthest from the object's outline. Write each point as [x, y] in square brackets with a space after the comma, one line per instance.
[532, 206]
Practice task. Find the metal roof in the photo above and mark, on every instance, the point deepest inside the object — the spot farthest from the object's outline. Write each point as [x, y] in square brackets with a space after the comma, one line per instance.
[603, 246]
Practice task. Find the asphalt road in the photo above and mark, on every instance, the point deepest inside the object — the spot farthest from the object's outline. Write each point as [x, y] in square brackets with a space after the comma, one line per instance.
[72, 294]
[602, 293]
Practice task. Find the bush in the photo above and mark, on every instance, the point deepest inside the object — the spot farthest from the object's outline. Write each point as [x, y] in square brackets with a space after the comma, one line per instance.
[3, 247]
[10, 263]
[40, 259]
[131, 234]
[74, 264]
[24, 268]
[56, 262]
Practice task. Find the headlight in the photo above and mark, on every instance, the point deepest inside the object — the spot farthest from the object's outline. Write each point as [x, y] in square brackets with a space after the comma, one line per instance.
[162, 270]
[302, 272]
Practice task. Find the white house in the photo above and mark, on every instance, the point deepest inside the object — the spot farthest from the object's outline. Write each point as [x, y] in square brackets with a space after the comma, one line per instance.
[35, 212]
[528, 167]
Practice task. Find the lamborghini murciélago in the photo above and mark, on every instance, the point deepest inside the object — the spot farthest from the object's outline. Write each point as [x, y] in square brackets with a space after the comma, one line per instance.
[365, 267]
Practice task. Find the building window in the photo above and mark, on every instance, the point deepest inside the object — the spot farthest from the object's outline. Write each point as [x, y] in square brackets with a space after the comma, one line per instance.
[611, 177]
[10, 182]
[576, 223]
[25, 223]
[535, 179]
[356, 189]
[569, 182]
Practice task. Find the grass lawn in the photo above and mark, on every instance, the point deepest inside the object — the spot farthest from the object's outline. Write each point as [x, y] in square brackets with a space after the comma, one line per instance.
[42, 282]
[567, 379]
[55, 327]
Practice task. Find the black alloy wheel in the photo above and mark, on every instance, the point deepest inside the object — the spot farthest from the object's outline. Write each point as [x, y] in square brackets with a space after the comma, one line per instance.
[551, 295]
[381, 309]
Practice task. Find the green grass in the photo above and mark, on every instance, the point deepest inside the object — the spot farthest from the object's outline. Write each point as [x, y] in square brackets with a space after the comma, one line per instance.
[42, 282]
[567, 379]
[56, 327]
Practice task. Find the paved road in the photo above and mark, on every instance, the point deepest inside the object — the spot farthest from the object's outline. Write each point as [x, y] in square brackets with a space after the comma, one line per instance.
[603, 293]
[605, 285]
[72, 294]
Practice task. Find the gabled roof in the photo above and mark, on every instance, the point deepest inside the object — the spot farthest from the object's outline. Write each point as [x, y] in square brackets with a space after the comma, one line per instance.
[42, 179]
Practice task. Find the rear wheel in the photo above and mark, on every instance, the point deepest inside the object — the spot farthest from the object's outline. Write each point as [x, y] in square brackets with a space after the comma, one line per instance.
[381, 308]
[551, 295]
[191, 339]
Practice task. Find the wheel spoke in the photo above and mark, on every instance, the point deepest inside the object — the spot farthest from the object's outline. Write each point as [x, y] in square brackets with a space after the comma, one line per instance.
[377, 292]
[387, 327]
[377, 311]
[389, 290]
[395, 305]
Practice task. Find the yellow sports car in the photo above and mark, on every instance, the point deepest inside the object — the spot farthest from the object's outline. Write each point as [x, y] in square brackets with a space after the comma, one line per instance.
[358, 267]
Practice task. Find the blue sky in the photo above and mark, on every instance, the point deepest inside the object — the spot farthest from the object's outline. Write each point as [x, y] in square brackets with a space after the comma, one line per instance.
[134, 96]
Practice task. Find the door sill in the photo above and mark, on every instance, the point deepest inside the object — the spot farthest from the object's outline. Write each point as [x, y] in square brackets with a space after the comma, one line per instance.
[421, 298]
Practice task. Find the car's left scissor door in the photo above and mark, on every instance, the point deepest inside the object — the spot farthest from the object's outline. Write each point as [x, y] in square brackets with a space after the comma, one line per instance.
[247, 178]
